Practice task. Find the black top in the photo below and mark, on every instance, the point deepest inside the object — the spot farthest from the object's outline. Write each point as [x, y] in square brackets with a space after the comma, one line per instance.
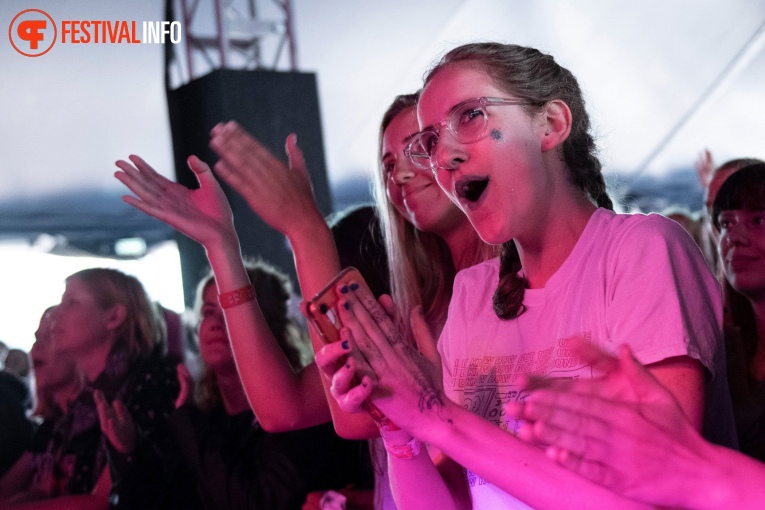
[210, 460]
[70, 453]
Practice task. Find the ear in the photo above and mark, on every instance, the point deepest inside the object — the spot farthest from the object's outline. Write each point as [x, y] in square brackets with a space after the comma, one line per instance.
[557, 124]
[117, 316]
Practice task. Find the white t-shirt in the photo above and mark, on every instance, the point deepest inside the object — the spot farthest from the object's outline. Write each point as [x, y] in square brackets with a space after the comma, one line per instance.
[631, 279]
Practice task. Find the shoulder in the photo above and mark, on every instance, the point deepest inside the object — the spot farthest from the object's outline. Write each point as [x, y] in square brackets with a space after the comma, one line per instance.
[642, 228]
[486, 272]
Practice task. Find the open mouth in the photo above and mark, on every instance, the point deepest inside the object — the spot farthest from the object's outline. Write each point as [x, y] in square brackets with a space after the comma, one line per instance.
[471, 188]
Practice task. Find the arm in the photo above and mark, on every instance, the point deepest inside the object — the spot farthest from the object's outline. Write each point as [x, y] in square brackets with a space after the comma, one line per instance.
[394, 377]
[283, 197]
[205, 215]
[638, 443]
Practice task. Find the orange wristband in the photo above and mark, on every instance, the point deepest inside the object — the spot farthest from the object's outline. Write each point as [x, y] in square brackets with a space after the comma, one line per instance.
[236, 297]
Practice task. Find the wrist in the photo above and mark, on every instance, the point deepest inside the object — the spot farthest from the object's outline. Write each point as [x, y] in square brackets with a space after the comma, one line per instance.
[306, 227]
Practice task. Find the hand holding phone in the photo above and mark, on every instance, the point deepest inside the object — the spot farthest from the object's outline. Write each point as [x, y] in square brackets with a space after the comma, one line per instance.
[322, 314]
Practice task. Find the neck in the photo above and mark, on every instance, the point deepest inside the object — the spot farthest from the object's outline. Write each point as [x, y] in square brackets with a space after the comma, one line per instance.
[232, 392]
[543, 253]
[93, 362]
[65, 395]
[462, 242]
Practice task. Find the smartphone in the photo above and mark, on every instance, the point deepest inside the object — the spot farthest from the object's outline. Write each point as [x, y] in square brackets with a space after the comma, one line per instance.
[322, 309]
[322, 313]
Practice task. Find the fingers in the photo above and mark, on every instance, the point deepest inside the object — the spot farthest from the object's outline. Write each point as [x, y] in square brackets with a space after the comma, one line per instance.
[329, 357]
[376, 319]
[201, 170]
[601, 361]
[334, 361]
[102, 408]
[295, 157]
[121, 412]
[241, 151]
[366, 333]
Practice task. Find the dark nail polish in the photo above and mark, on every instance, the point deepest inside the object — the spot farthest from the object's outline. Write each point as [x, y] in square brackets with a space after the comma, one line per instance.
[354, 286]
[347, 364]
[344, 345]
[347, 305]
[364, 383]
[344, 289]
[323, 308]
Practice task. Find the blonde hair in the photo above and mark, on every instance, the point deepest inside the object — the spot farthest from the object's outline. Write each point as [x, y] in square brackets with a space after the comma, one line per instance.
[143, 329]
[421, 267]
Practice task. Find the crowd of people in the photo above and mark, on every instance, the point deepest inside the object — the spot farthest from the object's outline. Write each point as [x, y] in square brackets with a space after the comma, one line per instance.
[528, 346]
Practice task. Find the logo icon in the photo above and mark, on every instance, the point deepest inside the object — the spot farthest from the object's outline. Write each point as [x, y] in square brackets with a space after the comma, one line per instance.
[32, 32]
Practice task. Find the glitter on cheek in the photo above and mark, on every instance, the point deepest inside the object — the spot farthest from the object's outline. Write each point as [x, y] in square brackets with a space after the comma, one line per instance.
[496, 134]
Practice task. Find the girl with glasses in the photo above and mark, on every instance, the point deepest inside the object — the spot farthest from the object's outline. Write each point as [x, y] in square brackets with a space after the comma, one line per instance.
[506, 133]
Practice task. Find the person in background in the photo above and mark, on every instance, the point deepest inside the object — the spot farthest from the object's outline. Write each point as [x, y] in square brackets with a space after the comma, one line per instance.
[739, 220]
[711, 179]
[107, 325]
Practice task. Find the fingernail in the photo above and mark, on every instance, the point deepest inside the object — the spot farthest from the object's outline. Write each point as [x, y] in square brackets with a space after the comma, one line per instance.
[344, 345]
[347, 305]
[323, 308]
[347, 364]
[354, 286]
[364, 383]
[344, 289]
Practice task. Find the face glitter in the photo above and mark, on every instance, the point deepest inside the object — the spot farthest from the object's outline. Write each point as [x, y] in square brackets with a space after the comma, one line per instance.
[496, 134]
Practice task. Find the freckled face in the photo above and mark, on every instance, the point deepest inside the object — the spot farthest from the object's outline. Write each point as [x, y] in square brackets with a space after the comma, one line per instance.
[505, 165]
[214, 345]
[413, 192]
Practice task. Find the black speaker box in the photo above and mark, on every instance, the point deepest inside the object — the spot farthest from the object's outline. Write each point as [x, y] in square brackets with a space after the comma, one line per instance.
[269, 105]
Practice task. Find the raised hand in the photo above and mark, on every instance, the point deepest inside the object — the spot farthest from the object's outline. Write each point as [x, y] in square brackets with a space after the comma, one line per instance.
[202, 214]
[621, 430]
[116, 423]
[281, 195]
[704, 167]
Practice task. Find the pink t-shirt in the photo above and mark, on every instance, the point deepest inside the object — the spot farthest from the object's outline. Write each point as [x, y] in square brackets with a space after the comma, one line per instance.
[634, 279]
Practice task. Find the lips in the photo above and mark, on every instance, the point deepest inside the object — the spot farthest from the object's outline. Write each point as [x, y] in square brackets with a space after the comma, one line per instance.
[471, 188]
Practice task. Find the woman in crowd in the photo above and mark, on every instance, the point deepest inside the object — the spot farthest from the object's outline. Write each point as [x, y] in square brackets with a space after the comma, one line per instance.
[739, 217]
[711, 178]
[57, 383]
[505, 131]
[107, 325]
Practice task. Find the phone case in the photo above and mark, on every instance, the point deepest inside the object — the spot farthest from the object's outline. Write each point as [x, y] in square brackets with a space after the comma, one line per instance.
[322, 313]
[322, 308]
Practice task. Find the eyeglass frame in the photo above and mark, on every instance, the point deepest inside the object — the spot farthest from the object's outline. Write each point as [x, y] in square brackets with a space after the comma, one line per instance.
[436, 128]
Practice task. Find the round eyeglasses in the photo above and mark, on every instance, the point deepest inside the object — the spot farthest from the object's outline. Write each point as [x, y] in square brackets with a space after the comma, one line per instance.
[467, 122]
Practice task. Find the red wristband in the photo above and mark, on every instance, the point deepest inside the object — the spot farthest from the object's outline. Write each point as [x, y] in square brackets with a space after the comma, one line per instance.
[236, 297]
[404, 451]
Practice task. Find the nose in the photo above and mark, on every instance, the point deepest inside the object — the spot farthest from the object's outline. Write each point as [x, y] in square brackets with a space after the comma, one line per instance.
[403, 171]
[450, 153]
[737, 234]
